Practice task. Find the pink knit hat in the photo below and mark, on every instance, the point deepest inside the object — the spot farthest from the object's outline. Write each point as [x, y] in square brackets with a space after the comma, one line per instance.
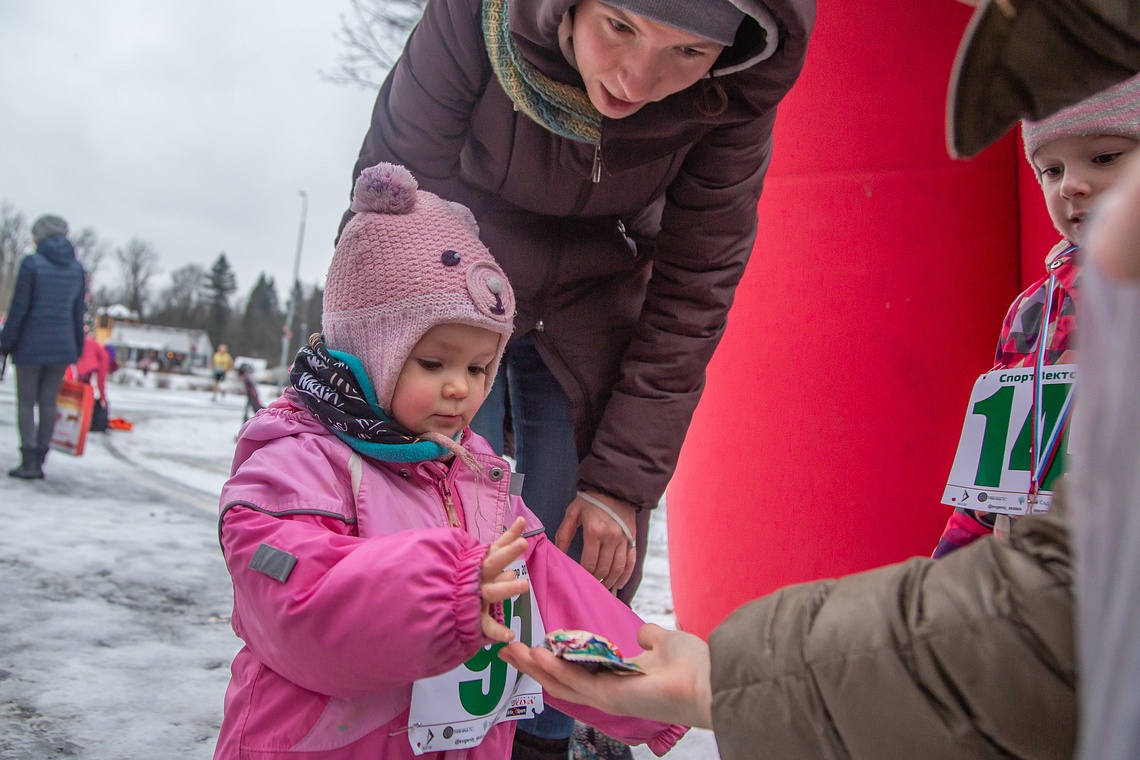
[1115, 111]
[406, 262]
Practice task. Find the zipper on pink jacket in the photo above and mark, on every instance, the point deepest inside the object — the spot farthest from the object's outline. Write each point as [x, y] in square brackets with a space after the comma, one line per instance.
[449, 503]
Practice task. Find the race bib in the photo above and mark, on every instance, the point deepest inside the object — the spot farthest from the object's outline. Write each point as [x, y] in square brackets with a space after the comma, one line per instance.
[994, 467]
[456, 709]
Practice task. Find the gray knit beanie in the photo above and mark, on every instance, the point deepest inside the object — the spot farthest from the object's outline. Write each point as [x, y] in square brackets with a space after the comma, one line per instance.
[1115, 111]
[715, 20]
[48, 225]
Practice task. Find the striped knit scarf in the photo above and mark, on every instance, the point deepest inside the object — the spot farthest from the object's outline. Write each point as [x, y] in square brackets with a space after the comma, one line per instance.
[334, 387]
[563, 109]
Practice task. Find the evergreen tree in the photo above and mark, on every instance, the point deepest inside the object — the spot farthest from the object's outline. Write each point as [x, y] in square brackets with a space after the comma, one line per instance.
[307, 315]
[220, 285]
[261, 322]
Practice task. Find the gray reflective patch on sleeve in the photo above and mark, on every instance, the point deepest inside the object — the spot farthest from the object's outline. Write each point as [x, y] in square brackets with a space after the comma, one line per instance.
[274, 562]
[516, 484]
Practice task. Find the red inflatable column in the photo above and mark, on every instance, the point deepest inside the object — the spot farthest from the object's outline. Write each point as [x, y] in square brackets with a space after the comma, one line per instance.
[876, 291]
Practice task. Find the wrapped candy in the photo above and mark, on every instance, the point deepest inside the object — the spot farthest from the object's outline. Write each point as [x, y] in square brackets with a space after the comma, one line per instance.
[589, 650]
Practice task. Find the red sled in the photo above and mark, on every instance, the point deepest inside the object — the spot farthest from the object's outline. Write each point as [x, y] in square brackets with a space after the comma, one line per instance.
[73, 408]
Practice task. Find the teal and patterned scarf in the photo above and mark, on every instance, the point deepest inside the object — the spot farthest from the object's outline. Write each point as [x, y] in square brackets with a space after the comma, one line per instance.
[563, 109]
[334, 387]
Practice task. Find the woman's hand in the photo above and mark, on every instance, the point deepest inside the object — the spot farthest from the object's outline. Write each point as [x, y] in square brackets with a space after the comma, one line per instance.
[606, 552]
[497, 583]
[674, 689]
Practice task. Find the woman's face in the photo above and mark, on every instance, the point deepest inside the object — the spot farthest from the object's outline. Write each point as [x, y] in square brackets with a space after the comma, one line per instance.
[628, 60]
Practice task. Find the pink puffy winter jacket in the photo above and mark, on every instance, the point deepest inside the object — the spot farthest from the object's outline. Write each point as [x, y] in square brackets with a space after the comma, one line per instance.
[382, 593]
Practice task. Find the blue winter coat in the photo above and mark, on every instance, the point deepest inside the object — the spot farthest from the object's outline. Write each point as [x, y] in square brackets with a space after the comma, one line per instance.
[45, 319]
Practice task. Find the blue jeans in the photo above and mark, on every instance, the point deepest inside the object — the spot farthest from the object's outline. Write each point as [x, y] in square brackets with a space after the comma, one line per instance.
[547, 457]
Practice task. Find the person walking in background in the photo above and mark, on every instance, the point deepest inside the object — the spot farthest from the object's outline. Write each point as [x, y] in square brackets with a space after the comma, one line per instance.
[221, 365]
[613, 153]
[1077, 155]
[249, 386]
[43, 334]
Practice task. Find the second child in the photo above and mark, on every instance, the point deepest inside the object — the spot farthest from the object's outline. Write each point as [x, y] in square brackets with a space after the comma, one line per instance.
[1077, 154]
[366, 527]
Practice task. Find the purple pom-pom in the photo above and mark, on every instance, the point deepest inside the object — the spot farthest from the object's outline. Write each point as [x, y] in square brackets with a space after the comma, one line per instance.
[385, 189]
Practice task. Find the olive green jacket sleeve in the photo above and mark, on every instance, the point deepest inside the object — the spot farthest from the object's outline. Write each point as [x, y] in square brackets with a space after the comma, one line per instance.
[970, 656]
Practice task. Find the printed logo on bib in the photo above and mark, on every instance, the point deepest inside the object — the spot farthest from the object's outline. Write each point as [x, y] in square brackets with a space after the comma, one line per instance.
[456, 709]
[1010, 440]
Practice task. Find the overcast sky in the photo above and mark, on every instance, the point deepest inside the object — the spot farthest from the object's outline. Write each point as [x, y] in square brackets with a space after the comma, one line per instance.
[190, 125]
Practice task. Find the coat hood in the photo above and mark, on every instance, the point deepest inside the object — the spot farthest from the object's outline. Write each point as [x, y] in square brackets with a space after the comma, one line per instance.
[767, 26]
[57, 249]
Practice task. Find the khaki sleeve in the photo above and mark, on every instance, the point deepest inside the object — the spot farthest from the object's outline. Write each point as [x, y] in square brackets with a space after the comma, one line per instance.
[970, 656]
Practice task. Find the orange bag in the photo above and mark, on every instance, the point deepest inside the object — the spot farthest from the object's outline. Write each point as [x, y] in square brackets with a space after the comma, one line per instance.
[73, 408]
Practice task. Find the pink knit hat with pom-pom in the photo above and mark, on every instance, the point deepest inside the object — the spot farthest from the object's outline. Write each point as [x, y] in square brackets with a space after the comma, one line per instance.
[406, 262]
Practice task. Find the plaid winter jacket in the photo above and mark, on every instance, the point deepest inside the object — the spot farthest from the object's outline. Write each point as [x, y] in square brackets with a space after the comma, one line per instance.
[1017, 347]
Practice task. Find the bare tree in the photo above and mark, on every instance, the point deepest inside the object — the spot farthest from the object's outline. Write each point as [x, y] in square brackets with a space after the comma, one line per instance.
[181, 305]
[138, 263]
[101, 296]
[15, 241]
[372, 40]
[90, 251]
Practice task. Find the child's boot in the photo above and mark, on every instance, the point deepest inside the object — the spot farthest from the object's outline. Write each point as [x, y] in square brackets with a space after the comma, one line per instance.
[531, 747]
[588, 743]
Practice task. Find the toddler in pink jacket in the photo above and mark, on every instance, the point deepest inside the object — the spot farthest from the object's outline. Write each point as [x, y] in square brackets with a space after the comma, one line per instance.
[367, 528]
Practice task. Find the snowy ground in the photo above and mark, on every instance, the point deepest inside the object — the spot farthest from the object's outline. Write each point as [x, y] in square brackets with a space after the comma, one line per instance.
[114, 614]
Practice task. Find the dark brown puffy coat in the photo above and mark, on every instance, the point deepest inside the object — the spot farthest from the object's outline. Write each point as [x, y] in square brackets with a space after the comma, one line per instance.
[970, 656]
[625, 283]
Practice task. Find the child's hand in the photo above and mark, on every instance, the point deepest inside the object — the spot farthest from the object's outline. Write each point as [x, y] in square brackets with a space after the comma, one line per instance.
[497, 584]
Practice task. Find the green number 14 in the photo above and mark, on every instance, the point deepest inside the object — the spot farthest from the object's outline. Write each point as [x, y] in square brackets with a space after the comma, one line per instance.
[997, 410]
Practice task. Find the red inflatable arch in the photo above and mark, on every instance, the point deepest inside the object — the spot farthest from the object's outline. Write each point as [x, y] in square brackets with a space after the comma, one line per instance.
[876, 290]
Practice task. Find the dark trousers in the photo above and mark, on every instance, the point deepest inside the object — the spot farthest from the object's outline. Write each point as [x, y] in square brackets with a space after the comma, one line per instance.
[37, 386]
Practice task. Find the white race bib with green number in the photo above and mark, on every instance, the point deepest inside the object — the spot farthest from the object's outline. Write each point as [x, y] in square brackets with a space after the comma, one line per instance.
[992, 470]
[456, 709]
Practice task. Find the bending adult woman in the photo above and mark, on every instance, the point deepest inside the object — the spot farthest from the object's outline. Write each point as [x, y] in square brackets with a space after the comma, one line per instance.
[613, 154]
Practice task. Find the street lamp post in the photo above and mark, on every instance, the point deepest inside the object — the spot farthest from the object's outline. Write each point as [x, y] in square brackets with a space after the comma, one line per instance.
[288, 326]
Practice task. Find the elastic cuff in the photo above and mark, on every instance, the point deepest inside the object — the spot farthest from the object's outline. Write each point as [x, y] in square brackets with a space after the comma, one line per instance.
[665, 740]
[468, 603]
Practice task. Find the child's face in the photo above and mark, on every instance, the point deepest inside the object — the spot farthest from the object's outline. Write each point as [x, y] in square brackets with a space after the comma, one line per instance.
[1074, 172]
[444, 381]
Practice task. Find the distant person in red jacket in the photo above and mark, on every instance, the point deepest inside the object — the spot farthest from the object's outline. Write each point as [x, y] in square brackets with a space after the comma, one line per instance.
[94, 364]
